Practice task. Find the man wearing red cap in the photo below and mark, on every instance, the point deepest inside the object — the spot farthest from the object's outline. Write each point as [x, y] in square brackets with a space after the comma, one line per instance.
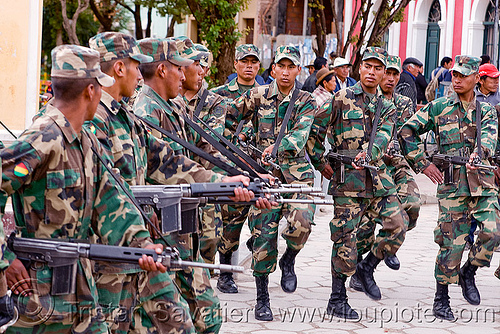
[487, 89]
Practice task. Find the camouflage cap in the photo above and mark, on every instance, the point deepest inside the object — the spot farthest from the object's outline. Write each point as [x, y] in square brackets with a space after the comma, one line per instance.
[288, 52]
[205, 61]
[162, 49]
[78, 62]
[187, 50]
[246, 50]
[116, 45]
[394, 62]
[466, 65]
[375, 52]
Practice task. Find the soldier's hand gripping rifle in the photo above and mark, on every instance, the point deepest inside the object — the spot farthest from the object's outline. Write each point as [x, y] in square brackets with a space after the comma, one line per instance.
[62, 257]
[268, 159]
[394, 149]
[340, 160]
[445, 163]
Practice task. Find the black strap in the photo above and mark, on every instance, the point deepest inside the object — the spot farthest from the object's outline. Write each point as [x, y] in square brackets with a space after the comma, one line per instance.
[478, 129]
[239, 128]
[219, 147]
[203, 97]
[125, 190]
[199, 152]
[284, 125]
[369, 152]
[248, 159]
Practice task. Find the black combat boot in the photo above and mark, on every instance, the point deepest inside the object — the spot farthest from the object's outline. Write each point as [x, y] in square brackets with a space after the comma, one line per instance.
[392, 261]
[441, 308]
[288, 277]
[225, 283]
[364, 270]
[354, 282]
[262, 308]
[337, 305]
[468, 284]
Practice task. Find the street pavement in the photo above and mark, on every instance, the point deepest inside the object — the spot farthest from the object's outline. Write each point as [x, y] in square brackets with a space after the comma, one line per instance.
[407, 294]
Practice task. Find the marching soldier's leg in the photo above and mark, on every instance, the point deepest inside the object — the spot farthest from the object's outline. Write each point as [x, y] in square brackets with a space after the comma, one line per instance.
[299, 219]
[211, 230]
[347, 215]
[409, 195]
[365, 237]
[265, 252]
[233, 217]
[485, 210]
[450, 232]
[388, 212]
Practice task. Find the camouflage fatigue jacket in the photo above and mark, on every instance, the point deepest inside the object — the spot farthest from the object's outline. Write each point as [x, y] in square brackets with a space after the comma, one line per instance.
[455, 131]
[170, 116]
[347, 120]
[139, 156]
[62, 191]
[232, 89]
[265, 107]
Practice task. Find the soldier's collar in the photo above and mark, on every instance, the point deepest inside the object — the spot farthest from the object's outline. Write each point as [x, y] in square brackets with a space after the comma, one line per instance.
[62, 122]
[274, 91]
[357, 89]
[152, 94]
[110, 103]
[233, 85]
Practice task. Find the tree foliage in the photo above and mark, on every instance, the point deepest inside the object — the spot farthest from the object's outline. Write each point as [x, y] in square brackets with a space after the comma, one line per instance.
[319, 20]
[217, 27]
[177, 10]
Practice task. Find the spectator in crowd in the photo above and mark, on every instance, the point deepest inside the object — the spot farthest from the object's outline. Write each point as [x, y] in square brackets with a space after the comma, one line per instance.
[325, 81]
[310, 67]
[487, 88]
[343, 80]
[443, 76]
[406, 86]
[268, 74]
[310, 83]
[421, 85]
[485, 59]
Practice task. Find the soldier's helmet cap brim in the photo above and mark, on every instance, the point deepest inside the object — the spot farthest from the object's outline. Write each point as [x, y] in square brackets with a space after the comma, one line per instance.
[116, 45]
[466, 65]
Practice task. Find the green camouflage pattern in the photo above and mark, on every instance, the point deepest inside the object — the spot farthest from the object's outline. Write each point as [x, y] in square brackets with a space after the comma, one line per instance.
[287, 52]
[466, 65]
[394, 62]
[187, 49]
[117, 45]
[162, 49]
[78, 62]
[206, 60]
[62, 191]
[343, 120]
[454, 221]
[375, 52]
[232, 89]
[246, 50]
[348, 213]
[196, 291]
[456, 131]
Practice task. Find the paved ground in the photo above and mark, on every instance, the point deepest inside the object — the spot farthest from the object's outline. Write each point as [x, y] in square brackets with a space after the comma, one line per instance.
[407, 294]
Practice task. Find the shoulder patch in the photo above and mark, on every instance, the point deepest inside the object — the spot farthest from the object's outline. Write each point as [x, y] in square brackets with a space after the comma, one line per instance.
[21, 170]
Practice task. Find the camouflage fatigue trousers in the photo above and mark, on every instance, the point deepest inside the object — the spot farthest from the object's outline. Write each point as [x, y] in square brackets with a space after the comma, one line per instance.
[211, 231]
[233, 218]
[194, 285]
[454, 221]
[409, 197]
[264, 226]
[343, 228]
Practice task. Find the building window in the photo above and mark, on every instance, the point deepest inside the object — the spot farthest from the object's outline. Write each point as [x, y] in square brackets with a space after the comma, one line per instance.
[489, 38]
[435, 12]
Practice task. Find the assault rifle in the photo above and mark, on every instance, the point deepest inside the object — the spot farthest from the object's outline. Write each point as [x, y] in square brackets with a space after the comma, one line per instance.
[445, 163]
[395, 149]
[336, 159]
[167, 198]
[62, 257]
[267, 158]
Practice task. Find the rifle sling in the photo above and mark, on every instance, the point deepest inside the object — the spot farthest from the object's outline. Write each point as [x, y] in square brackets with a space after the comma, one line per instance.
[194, 149]
[125, 190]
[203, 97]
[478, 129]
[228, 146]
[374, 127]
[284, 124]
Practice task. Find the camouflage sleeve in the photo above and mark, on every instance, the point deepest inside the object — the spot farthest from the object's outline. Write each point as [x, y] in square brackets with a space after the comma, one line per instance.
[216, 116]
[384, 130]
[407, 111]
[409, 137]
[240, 109]
[295, 139]
[100, 128]
[151, 112]
[315, 144]
[489, 130]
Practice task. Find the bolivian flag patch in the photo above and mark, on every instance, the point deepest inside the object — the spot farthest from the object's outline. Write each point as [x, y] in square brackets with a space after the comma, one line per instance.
[21, 170]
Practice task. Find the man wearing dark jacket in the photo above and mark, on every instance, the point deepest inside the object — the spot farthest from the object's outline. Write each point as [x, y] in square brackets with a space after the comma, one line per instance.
[310, 83]
[406, 85]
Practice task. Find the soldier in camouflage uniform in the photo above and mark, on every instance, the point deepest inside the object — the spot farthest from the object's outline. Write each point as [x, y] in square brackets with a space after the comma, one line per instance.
[213, 114]
[62, 191]
[348, 122]
[266, 107]
[247, 64]
[471, 194]
[397, 167]
[205, 62]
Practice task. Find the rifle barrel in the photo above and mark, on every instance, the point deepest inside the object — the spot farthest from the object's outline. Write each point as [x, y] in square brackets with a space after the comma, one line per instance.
[221, 267]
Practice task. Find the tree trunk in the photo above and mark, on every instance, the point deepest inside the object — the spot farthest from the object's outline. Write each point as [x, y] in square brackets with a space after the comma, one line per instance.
[70, 25]
[320, 23]
[170, 30]
[148, 26]
[333, 5]
[138, 24]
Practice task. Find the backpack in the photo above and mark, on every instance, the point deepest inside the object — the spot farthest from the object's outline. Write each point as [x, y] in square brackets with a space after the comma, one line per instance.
[430, 91]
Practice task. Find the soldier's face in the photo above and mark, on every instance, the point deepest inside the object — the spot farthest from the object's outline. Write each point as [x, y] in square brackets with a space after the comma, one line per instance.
[194, 75]
[489, 85]
[390, 80]
[371, 72]
[464, 84]
[132, 77]
[285, 73]
[247, 68]
[172, 79]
